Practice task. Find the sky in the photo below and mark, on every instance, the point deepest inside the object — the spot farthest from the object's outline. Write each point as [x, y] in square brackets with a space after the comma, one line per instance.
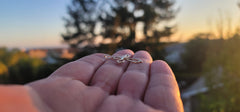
[197, 16]
[38, 23]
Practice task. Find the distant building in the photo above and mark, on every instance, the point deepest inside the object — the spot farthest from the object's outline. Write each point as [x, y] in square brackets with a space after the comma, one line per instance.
[50, 55]
[188, 94]
[174, 52]
[37, 53]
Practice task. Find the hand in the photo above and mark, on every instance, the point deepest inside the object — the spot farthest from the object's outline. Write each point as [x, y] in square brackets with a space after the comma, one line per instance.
[94, 84]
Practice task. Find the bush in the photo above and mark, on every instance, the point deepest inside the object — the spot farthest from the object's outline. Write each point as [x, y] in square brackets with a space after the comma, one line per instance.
[222, 74]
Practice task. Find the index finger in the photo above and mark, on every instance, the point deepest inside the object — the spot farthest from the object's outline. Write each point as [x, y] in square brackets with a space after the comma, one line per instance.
[81, 69]
[162, 91]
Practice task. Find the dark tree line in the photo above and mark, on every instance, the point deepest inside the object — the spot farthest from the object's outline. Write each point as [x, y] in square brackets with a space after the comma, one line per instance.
[118, 20]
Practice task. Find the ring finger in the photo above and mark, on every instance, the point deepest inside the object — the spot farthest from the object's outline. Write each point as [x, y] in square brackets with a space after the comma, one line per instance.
[108, 75]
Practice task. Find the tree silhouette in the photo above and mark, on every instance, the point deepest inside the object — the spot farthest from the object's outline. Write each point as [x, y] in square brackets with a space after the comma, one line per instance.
[118, 20]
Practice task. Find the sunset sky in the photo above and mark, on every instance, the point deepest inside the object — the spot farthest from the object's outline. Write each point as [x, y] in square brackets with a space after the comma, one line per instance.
[32, 23]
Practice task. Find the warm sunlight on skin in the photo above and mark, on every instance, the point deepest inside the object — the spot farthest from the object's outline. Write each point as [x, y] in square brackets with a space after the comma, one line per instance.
[106, 86]
[29, 24]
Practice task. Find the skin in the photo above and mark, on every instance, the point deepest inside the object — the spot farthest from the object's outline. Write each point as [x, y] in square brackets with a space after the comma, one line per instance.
[96, 84]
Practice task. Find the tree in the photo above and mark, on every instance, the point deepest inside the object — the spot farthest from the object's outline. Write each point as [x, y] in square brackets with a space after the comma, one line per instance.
[118, 20]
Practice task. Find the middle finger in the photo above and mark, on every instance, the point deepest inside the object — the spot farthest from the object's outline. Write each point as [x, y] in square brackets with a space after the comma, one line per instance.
[108, 75]
[135, 79]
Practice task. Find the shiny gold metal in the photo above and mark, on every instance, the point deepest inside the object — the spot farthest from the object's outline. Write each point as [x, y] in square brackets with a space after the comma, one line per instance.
[122, 59]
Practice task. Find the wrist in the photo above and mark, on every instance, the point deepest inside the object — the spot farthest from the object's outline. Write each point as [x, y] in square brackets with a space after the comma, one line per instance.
[37, 101]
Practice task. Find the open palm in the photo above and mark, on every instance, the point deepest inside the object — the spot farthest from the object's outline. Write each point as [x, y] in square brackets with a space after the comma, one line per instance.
[94, 84]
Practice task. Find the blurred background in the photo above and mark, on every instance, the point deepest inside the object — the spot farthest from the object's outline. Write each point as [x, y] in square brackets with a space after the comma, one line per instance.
[198, 38]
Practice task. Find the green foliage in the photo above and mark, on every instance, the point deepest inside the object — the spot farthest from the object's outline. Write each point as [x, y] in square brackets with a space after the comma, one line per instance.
[218, 61]
[18, 68]
[25, 70]
[221, 69]
[3, 69]
[3, 72]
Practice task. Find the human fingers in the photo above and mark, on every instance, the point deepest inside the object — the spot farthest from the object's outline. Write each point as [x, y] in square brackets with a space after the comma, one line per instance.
[134, 80]
[81, 69]
[162, 91]
[107, 76]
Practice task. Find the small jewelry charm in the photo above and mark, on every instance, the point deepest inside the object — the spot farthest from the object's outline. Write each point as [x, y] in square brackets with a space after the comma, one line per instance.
[122, 59]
